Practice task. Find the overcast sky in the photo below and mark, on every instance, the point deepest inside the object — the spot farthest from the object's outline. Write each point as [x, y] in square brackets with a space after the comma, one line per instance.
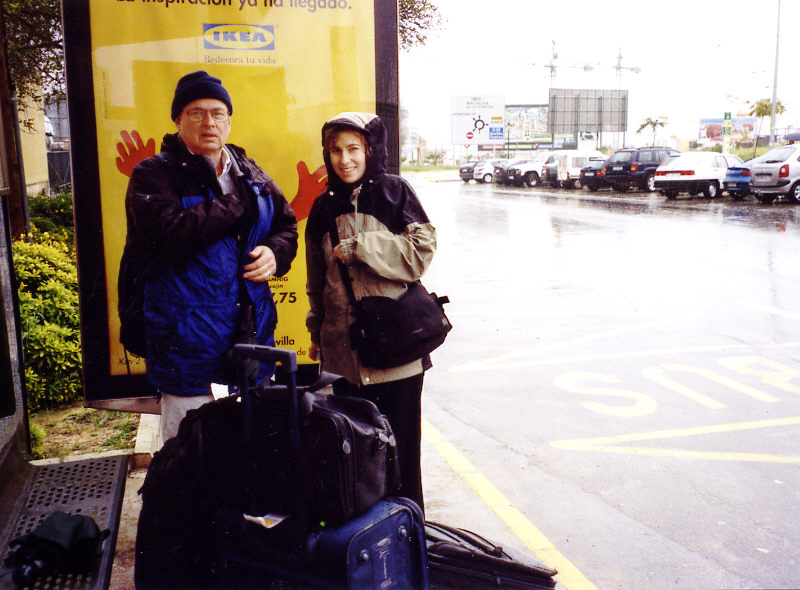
[698, 58]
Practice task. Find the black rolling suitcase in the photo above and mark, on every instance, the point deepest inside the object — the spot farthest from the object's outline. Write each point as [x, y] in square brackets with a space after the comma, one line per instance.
[458, 558]
[319, 465]
[378, 544]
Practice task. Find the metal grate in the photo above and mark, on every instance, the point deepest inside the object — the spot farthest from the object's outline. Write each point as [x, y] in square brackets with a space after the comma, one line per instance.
[92, 487]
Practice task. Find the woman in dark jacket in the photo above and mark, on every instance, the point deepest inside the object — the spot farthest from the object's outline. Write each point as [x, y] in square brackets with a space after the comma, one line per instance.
[385, 240]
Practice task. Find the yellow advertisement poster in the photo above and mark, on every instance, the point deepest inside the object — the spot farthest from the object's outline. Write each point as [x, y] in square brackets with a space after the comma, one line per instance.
[288, 65]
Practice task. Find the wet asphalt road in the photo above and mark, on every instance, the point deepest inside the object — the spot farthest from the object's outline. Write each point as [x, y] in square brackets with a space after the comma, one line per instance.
[622, 385]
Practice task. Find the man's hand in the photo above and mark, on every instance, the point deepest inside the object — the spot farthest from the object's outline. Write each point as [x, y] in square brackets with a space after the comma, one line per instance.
[309, 186]
[313, 352]
[263, 266]
[133, 151]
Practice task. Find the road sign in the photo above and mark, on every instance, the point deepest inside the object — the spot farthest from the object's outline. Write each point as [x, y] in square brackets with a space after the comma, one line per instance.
[478, 118]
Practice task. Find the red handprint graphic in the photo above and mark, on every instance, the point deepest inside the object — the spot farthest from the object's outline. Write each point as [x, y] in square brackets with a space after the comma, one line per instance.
[309, 186]
[133, 151]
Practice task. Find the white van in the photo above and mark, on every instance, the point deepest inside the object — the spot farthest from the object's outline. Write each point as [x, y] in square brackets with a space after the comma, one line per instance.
[570, 162]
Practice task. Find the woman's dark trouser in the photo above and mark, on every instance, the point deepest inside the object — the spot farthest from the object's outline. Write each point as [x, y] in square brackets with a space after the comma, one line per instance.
[401, 403]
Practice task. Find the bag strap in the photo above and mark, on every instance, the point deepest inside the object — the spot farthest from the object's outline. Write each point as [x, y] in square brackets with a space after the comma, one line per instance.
[347, 280]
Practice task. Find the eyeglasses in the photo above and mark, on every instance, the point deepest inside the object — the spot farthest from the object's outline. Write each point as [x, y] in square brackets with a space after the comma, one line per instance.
[198, 115]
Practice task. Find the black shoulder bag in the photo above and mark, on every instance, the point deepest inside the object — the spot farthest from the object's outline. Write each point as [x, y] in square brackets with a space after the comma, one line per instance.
[392, 332]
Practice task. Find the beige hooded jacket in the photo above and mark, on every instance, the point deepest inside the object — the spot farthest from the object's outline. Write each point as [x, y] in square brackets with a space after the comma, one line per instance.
[387, 241]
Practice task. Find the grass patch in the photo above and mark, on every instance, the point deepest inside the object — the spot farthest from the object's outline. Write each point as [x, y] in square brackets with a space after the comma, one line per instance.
[75, 430]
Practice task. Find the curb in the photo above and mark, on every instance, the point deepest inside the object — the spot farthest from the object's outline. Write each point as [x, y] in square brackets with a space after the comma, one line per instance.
[70, 458]
[146, 441]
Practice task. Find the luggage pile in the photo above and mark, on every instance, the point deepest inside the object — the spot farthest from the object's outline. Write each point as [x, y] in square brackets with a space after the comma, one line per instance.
[288, 486]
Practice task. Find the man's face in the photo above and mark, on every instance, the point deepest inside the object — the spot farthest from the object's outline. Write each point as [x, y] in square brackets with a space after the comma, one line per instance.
[204, 126]
[348, 157]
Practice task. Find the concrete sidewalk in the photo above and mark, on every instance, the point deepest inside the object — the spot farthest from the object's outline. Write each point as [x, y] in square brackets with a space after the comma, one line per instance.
[146, 437]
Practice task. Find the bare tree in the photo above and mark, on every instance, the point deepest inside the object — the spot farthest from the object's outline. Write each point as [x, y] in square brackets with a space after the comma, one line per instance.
[35, 48]
[417, 19]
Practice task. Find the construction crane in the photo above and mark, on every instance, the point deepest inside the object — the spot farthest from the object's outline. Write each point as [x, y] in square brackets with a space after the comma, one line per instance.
[552, 66]
[619, 67]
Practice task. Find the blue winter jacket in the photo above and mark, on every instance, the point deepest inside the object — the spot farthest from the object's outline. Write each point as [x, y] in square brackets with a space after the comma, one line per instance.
[199, 240]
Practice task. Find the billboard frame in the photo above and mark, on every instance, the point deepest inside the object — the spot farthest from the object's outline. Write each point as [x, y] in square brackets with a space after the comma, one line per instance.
[131, 392]
[611, 113]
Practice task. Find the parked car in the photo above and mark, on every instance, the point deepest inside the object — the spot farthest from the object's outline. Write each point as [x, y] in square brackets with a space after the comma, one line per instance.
[484, 171]
[550, 171]
[530, 171]
[501, 170]
[569, 164]
[636, 166]
[592, 175]
[466, 171]
[777, 174]
[692, 172]
[512, 176]
[737, 180]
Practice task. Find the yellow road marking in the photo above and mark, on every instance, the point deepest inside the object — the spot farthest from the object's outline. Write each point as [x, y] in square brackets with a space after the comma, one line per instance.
[612, 444]
[568, 575]
[508, 359]
[656, 374]
[722, 380]
[506, 362]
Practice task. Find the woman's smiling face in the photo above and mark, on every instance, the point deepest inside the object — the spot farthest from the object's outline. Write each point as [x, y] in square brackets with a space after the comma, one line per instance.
[348, 156]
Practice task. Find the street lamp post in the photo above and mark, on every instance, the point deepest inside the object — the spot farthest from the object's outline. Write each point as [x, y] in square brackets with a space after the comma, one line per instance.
[775, 81]
[619, 67]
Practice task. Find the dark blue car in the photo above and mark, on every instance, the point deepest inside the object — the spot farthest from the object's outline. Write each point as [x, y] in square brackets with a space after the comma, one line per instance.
[592, 175]
[737, 181]
[636, 167]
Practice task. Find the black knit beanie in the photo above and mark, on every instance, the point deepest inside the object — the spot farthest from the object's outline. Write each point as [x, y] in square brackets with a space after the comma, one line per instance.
[195, 86]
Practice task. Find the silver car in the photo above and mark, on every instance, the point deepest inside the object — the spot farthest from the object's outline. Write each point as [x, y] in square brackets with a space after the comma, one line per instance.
[776, 174]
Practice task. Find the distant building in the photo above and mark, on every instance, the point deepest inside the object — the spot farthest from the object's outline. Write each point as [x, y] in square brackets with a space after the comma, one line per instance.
[33, 140]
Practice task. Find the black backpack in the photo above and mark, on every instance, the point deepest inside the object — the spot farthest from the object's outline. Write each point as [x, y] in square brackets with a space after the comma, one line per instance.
[130, 298]
[61, 544]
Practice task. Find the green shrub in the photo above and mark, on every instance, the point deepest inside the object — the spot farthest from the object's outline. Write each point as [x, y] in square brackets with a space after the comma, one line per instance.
[749, 152]
[48, 297]
[37, 441]
[52, 216]
[714, 148]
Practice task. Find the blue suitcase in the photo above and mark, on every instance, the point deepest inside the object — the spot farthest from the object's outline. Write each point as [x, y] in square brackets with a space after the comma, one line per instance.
[382, 548]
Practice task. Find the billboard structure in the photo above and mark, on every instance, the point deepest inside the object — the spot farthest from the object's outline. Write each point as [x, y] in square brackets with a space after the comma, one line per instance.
[477, 120]
[289, 65]
[526, 127]
[733, 130]
[574, 111]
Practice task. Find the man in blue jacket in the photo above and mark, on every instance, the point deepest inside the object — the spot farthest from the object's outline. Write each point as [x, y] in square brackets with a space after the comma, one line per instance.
[214, 229]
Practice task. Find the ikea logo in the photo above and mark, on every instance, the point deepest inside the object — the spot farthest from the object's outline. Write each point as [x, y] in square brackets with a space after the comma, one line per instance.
[248, 37]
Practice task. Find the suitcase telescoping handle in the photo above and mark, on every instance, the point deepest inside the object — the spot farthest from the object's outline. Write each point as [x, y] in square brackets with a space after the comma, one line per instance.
[267, 354]
[288, 360]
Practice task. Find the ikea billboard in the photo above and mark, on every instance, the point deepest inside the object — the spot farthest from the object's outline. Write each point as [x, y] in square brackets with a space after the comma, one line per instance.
[289, 65]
